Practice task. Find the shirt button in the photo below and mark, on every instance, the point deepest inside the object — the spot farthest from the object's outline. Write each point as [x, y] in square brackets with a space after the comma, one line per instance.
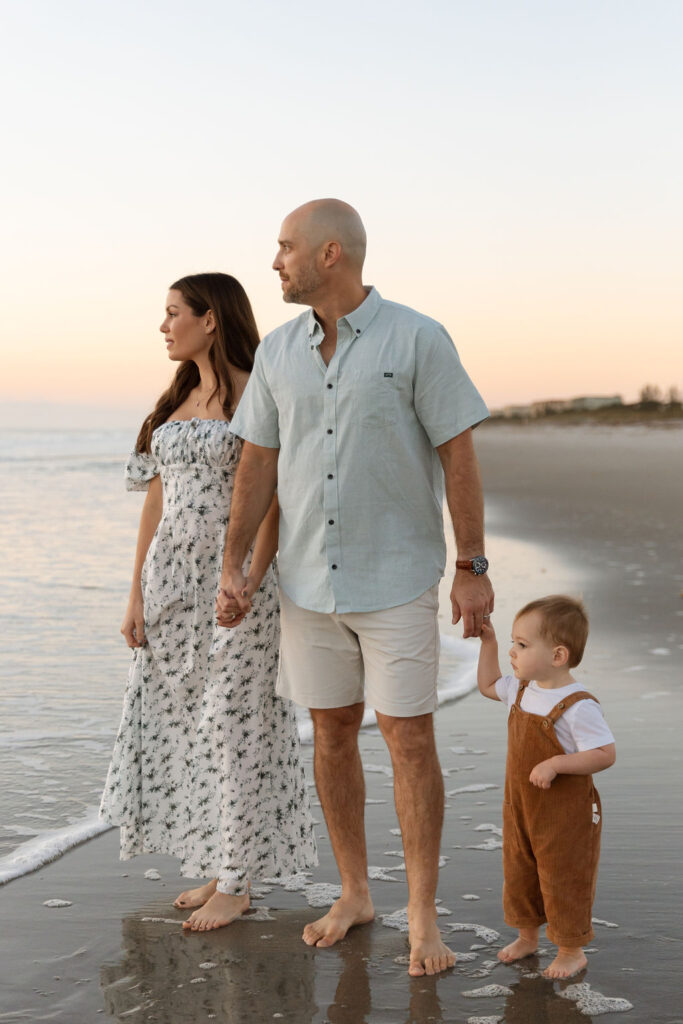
[331, 522]
[330, 476]
[329, 387]
[329, 431]
[334, 566]
[357, 330]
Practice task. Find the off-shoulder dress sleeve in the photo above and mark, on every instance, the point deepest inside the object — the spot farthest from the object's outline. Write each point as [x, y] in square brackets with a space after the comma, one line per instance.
[140, 469]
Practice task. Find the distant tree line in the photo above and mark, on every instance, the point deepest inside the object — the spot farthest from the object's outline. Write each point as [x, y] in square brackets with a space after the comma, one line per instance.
[652, 395]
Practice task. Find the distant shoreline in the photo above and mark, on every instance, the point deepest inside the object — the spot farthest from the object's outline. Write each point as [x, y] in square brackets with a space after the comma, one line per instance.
[612, 415]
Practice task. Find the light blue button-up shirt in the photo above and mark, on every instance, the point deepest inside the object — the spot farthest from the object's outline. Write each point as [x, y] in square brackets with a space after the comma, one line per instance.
[360, 486]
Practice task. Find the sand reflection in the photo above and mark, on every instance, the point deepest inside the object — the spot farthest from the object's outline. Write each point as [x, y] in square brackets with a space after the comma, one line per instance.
[242, 974]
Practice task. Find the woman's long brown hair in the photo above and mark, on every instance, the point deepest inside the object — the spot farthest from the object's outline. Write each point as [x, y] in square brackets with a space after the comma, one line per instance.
[234, 343]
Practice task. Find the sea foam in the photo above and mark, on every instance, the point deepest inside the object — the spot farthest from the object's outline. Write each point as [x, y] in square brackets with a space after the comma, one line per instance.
[457, 677]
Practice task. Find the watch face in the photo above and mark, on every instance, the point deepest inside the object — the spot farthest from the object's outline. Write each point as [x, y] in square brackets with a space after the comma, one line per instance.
[479, 565]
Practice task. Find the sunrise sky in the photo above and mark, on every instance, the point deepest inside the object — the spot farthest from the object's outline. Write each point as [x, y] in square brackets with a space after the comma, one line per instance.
[517, 166]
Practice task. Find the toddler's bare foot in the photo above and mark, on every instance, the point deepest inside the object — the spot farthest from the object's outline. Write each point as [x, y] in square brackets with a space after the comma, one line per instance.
[566, 964]
[344, 914]
[196, 897]
[525, 944]
[219, 910]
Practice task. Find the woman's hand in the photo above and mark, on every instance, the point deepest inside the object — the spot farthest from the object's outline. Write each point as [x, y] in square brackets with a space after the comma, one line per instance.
[133, 627]
[228, 612]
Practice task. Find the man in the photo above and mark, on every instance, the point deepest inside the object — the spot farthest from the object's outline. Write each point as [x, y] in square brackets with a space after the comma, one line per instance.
[351, 411]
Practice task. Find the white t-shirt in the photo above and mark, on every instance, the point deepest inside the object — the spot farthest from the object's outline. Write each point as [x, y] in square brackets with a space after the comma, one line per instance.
[581, 727]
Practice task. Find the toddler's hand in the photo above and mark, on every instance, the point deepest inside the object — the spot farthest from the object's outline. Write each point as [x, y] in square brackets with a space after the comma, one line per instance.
[488, 633]
[543, 775]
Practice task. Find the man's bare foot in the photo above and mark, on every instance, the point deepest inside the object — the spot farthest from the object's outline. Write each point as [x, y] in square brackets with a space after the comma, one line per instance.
[525, 944]
[343, 914]
[429, 954]
[566, 964]
[219, 910]
[196, 897]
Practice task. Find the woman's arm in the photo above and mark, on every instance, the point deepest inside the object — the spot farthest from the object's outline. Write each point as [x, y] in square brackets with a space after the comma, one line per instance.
[229, 613]
[583, 762]
[133, 627]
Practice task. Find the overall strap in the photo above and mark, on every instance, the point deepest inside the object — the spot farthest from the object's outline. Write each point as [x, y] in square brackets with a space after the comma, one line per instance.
[520, 692]
[567, 702]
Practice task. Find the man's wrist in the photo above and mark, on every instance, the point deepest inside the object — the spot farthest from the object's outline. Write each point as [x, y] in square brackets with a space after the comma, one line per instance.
[477, 564]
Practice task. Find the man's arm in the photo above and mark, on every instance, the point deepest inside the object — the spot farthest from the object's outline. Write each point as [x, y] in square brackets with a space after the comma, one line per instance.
[255, 484]
[471, 596]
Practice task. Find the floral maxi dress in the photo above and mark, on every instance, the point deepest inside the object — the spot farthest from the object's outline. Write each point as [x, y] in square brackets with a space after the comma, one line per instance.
[206, 763]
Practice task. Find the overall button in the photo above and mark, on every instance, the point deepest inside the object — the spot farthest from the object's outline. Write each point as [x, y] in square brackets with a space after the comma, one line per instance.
[545, 723]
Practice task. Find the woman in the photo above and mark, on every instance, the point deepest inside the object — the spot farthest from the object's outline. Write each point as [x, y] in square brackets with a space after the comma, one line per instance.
[206, 763]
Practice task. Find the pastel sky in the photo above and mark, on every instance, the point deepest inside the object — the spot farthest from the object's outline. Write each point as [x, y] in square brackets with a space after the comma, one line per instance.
[517, 166]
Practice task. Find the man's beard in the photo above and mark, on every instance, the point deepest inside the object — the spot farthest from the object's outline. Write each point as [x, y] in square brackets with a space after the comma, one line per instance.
[307, 282]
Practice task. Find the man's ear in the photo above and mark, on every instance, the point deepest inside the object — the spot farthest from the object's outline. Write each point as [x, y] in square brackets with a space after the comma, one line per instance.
[331, 253]
[560, 656]
[209, 322]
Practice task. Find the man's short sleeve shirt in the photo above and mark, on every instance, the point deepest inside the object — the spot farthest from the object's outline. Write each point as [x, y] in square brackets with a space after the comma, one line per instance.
[360, 485]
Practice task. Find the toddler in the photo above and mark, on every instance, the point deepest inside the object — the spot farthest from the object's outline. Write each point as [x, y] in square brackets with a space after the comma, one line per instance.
[557, 739]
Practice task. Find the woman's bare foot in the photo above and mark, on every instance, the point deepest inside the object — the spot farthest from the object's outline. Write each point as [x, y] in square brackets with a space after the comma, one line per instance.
[567, 963]
[525, 944]
[196, 897]
[428, 952]
[219, 910]
[344, 914]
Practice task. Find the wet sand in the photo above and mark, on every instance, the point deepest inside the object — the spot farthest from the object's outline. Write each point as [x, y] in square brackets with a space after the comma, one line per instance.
[593, 512]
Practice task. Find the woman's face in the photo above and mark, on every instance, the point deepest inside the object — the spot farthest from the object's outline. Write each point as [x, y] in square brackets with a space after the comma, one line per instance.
[187, 336]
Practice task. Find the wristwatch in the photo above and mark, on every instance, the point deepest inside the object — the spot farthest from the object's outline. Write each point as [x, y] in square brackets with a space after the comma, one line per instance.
[478, 565]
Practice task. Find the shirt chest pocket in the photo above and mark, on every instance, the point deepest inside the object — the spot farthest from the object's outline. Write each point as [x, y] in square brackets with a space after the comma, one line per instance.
[374, 398]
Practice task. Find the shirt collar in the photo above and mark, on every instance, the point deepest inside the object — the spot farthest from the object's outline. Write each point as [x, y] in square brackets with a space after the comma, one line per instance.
[358, 319]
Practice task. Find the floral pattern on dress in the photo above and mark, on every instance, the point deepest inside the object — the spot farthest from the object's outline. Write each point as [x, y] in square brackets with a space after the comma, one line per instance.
[206, 765]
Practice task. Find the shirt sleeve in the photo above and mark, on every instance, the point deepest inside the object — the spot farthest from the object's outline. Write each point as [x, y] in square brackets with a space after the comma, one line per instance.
[587, 725]
[256, 418]
[506, 689]
[446, 400]
[141, 468]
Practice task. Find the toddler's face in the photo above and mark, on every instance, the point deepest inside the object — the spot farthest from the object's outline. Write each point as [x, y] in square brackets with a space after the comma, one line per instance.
[531, 654]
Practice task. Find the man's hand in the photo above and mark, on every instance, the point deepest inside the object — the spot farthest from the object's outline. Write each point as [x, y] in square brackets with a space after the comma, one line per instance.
[543, 775]
[228, 612]
[471, 599]
[234, 597]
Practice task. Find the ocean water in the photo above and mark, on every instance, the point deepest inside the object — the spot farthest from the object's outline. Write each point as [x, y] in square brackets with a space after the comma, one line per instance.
[67, 540]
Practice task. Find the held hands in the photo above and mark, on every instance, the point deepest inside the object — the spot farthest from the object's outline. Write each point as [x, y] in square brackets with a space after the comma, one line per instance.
[471, 599]
[133, 626]
[488, 633]
[233, 602]
[543, 775]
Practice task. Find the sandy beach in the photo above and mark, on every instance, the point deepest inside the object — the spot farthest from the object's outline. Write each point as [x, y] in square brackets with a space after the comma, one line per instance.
[585, 510]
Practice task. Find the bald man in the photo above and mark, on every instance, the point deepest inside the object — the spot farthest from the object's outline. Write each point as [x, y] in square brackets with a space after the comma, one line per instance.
[356, 411]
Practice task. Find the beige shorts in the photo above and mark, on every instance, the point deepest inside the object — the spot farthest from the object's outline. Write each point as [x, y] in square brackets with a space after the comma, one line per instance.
[388, 658]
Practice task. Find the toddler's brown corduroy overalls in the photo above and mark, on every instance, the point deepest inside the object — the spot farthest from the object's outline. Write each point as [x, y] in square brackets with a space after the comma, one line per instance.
[551, 837]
